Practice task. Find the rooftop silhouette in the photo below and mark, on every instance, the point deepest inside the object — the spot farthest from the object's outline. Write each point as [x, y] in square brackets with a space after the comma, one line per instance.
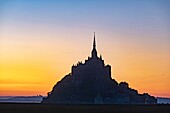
[91, 83]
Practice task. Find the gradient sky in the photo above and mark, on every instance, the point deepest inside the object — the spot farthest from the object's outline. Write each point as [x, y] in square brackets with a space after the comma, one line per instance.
[41, 39]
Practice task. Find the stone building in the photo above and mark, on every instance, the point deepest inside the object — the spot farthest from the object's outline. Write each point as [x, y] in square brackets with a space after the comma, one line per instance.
[93, 68]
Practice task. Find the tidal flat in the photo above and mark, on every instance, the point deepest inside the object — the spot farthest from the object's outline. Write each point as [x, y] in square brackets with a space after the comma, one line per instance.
[82, 108]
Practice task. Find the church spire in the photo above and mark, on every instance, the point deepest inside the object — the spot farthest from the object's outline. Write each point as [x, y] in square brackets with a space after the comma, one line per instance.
[94, 52]
[94, 42]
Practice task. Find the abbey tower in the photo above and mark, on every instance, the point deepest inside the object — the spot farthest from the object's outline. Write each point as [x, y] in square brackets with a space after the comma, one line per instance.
[93, 68]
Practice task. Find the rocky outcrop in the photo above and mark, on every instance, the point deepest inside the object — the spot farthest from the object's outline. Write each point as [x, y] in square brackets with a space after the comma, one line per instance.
[110, 92]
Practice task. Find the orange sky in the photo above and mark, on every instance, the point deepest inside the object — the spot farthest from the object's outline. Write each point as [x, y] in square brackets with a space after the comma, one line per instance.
[32, 69]
[38, 45]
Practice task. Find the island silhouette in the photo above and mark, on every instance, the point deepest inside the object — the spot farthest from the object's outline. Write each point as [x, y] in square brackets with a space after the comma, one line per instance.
[91, 83]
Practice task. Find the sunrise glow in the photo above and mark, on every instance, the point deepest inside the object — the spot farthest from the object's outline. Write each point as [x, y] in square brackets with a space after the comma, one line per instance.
[41, 40]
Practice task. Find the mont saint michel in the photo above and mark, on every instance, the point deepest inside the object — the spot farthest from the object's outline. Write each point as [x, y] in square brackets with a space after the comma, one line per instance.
[91, 83]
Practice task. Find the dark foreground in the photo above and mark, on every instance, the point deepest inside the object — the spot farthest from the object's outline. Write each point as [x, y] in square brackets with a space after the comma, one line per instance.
[55, 108]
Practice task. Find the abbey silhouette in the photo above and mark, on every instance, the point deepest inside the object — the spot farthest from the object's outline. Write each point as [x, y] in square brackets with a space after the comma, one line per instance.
[91, 82]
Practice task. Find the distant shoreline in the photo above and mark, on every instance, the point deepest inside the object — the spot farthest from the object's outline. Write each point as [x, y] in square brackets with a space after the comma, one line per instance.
[38, 99]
